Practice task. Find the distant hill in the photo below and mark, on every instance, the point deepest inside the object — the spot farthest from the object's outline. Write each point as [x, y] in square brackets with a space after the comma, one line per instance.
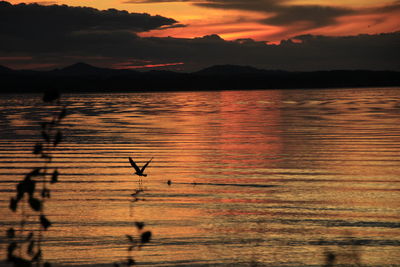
[82, 77]
[5, 70]
[230, 70]
[83, 69]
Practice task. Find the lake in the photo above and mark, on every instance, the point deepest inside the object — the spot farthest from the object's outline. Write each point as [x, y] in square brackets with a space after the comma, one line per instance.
[258, 178]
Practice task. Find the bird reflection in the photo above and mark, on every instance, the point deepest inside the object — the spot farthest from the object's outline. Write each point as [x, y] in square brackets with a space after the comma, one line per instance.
[140, 173]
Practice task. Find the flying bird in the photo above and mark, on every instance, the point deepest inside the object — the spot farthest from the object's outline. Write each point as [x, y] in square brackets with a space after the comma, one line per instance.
[139, 172]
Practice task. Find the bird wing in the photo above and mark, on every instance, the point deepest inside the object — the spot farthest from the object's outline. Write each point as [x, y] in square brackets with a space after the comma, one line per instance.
[145, 165]
[134, 165]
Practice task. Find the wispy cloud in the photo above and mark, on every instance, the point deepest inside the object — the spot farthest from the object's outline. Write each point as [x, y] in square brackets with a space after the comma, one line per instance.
[277, 12]
[157, 1]
[284, 13]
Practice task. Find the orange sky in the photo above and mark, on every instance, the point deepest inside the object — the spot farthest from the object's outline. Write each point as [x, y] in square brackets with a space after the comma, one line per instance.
[370, 17]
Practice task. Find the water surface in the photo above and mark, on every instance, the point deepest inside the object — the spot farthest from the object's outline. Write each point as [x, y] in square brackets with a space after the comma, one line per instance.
[259, 178]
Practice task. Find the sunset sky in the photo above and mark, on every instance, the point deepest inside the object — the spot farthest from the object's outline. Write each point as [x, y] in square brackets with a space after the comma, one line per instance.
[248, 29]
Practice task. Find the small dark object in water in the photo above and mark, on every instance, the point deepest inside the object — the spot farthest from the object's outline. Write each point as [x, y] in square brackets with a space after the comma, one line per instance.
[169, 182]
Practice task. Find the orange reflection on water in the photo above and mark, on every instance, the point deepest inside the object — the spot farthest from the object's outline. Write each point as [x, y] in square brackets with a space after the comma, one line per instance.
[256, 176]
[241, 144]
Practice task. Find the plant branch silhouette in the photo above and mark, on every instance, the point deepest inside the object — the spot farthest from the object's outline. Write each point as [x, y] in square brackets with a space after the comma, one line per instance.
[32, 192]
[137, 241]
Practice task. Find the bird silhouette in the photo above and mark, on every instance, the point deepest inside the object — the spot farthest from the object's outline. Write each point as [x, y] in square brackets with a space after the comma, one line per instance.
[139, 172]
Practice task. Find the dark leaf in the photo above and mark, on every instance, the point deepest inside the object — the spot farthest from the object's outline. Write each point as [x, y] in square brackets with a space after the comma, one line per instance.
[45, 193]
[130, 238]
[37, 149]
[46, 136]
[34, 172]
[29, 237]
[35, 204]
[11, 233]
[330, 258]
[44, 222]
[30, 248]
[139, 225]
[37, 256]
[50, 96]
[58, 138]
[20, 190]
[62, 114]
[10, 249]
[54, 177]
[20, 262]
[145, 237]
[130, 262]
[47, 156]
[13, 204]
[47, 264]
[44, 125]
[28, 186]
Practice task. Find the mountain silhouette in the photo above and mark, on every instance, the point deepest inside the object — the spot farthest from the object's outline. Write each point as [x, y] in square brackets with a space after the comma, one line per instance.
[82, 77]
[81, 68]
[84, 69]
[230, 70]
[5, 70]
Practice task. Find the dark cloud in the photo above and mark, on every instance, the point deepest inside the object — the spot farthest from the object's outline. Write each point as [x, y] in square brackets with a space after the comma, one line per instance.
[283, 13]
[34, 20]
[279, 12]
[115, 43]
[317, 16]
[395, 6]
